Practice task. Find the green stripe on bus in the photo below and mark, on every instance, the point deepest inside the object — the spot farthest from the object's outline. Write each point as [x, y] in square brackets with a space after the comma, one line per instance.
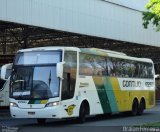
[110, 94]
[103, 96]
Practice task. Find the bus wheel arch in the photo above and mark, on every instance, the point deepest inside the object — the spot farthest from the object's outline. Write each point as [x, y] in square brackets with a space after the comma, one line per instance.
[142, 106]
[83, 111]
[135, 106]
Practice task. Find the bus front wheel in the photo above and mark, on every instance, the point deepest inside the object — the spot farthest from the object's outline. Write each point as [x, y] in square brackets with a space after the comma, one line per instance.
[84, 110]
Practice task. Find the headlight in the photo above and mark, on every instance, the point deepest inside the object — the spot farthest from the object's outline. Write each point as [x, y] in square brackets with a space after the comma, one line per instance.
[13, 104]
[52, 104]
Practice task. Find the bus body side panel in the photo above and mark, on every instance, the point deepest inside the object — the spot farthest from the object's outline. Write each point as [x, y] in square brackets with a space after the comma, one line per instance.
[87, 91]
[122, 97]
[125, 97]
[148, 95]
[106, 94]
[115, 98]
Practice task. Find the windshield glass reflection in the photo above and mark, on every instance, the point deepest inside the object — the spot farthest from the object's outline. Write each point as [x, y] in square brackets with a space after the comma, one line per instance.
[34, 82]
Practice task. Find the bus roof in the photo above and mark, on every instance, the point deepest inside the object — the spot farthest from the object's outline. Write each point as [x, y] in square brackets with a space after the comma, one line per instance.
[101, 51]
[49, 49]
[95, 51]
[114, 54]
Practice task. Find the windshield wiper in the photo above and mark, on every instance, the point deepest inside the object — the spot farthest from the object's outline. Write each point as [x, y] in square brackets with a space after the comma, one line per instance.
[49, 79]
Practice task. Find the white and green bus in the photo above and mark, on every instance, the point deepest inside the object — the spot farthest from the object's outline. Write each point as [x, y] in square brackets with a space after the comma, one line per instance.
[65, 82]
[5, 72]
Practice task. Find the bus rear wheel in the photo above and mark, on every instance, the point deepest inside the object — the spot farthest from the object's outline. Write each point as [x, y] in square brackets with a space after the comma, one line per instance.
[134, 111]
[141, 107]
[41, 121]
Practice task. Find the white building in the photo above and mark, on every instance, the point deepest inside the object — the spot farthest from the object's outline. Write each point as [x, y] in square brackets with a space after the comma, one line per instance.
[112, 19]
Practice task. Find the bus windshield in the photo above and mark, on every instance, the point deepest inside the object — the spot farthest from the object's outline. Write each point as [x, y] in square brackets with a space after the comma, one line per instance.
[34, 81]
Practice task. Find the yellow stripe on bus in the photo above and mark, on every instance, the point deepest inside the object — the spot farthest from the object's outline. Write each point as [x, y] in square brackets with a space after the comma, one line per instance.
[125, 98]
[119, 95]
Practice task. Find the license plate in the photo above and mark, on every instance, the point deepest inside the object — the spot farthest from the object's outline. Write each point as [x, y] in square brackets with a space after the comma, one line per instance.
[31, 113]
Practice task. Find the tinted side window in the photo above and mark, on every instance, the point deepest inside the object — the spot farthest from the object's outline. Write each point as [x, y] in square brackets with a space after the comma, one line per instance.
[94, 65]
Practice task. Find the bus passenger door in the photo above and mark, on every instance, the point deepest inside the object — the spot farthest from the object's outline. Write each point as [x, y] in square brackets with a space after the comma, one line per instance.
[67, 95]
[68, 84]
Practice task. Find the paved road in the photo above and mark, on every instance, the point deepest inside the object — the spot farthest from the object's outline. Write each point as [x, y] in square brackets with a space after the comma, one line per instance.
[93, 123]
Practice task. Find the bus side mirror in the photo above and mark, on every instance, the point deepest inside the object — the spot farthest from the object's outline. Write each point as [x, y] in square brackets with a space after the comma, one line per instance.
[60, 69]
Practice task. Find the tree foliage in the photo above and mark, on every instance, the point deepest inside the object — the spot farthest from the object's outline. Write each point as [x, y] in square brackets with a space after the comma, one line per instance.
[152, 15]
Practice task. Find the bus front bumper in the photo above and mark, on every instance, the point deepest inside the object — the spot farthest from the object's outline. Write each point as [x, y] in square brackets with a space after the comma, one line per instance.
[47, 112]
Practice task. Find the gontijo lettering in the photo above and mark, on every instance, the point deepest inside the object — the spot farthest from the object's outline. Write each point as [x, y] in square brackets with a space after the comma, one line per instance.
[127, 83]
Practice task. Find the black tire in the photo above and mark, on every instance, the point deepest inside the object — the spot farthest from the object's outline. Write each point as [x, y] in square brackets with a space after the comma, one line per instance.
[82, 114]
[134, 111]
[141, 107]
[41, 121]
